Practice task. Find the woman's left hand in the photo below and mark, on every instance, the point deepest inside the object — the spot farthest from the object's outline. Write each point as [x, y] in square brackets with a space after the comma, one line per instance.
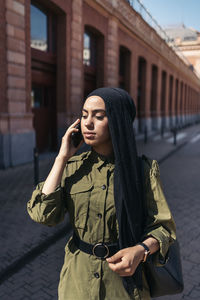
[125, 261]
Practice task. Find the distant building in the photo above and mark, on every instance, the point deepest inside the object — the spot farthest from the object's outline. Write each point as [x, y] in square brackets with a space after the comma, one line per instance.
[53, 53]
[187, 41]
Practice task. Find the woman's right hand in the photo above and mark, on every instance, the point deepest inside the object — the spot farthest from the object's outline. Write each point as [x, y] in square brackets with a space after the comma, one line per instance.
[67, 149]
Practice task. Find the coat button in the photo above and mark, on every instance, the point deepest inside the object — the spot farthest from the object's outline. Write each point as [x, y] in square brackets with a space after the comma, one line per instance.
[103, 187]
[96, 275]
[99, 215]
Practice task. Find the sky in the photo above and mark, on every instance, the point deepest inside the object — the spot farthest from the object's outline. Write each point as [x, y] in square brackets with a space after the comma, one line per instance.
[173, 12]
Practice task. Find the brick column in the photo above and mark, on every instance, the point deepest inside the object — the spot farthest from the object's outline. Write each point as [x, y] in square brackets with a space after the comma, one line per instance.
[3, 87]
[112, 54]
[3, 68]
[16, 57]
[18, 138]
[77, 74]
[133, 83]
[134, 76]
[63, 72]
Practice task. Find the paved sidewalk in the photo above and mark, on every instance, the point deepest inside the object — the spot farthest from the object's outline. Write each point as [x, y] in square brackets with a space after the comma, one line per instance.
[19, 235]
[180, 177]
[160, 148]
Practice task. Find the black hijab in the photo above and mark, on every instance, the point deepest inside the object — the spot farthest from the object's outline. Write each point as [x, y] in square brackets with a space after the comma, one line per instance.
[121, 111]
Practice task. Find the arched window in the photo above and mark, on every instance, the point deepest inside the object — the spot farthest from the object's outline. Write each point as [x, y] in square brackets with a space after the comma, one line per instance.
[124, 68]
[39, 33]
[90, 51]
[93, 59]
[163, 100]
[171, 80]
[141, 93]
[163, 92]
[43, 74]
[154, 88]
[43, 29]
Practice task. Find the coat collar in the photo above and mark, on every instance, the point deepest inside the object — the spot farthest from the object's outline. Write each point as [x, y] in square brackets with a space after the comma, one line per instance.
[100, 160]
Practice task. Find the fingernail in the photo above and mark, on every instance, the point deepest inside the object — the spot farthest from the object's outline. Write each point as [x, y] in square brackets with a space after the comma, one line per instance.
[108, 259]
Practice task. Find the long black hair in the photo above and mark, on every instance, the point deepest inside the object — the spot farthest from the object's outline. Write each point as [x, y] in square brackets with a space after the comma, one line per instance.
[121, 112]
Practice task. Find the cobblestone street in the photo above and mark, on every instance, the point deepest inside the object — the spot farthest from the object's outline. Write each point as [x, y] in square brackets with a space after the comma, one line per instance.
[180, 176]
[38, 277]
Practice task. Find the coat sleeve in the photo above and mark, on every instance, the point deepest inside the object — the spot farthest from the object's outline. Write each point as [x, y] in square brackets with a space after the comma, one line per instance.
[159, 223]
[48, 209]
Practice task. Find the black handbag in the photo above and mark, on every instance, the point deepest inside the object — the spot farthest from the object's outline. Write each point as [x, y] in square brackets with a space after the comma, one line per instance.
[166, 279]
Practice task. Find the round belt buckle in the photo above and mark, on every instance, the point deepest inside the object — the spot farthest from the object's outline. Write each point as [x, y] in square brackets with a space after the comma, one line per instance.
[100, 247]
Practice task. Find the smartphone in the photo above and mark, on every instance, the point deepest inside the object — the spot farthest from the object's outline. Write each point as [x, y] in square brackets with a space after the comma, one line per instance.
[77, 137]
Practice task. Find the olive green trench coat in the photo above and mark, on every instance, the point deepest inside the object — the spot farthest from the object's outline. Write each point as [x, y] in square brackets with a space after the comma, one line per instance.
[86, 193]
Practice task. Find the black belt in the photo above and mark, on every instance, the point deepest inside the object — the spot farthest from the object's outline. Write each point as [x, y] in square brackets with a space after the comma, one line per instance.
[100, 250]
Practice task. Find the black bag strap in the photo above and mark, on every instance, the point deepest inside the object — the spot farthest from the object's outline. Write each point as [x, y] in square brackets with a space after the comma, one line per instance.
[142, 185]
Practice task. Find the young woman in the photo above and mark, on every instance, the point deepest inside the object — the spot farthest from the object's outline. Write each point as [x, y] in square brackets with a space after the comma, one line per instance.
[101, 190]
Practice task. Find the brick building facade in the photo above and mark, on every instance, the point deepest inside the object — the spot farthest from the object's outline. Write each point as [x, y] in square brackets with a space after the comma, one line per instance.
[53, 53]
